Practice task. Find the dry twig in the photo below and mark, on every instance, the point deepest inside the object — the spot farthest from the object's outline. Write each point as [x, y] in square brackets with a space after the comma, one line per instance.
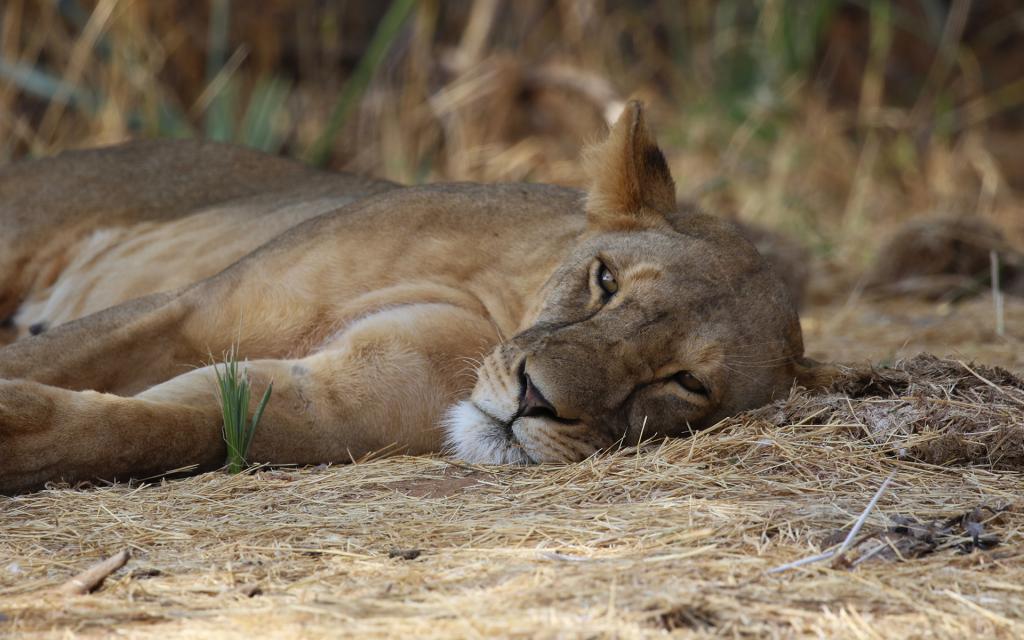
[93, 577]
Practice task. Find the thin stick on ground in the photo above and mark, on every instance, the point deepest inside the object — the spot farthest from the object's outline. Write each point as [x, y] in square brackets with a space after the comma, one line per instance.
[861, 520]
[997, 295]
[837, 555]
[90, 579]
[801, 562]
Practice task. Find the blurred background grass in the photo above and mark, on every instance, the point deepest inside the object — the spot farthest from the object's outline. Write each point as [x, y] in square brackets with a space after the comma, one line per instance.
[827, 119]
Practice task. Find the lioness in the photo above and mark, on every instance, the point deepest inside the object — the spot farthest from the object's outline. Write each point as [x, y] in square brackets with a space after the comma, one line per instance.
[515, 323]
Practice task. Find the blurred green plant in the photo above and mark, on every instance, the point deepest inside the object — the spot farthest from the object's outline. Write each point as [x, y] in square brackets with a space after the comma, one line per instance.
[385, 35]
[41, 84]
[220, 110]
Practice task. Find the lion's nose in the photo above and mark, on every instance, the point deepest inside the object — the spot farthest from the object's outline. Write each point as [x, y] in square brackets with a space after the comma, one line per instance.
[532, 402]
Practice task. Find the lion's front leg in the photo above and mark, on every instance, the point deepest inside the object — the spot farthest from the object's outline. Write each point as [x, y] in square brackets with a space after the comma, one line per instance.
[48, 433]
[133, 346]
[382, 385]
[123, 349]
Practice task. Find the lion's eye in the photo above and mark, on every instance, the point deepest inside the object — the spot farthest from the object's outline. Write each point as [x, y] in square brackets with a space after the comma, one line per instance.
[690, 382]
[607, 281]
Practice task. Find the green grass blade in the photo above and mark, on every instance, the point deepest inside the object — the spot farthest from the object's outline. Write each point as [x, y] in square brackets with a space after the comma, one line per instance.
[40, 84]
[256, 417]
[260, 125]
[235, 391]
[385, 35]
[219, 121]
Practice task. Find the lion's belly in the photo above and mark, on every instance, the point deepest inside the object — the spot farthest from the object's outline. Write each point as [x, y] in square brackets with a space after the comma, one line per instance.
[113, 265]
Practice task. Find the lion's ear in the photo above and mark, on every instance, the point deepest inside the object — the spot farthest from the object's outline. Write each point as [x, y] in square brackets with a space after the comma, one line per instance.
[813, 375]
[630, 182]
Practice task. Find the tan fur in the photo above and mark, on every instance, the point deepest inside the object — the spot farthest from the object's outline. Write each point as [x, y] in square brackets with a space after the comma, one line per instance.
[77, 227]
[383, 315]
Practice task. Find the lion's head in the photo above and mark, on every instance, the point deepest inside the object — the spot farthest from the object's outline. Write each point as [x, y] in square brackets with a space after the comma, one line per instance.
[659, 322]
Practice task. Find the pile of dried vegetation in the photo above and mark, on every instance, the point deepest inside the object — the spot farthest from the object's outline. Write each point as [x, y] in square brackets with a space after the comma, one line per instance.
[709, 534]
[936, 411]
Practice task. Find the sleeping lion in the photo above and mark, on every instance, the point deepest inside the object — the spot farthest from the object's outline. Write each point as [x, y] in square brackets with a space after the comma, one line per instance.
[511, 323]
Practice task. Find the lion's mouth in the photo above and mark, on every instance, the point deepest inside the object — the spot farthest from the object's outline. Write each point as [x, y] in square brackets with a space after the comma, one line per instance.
[512, 423]
[476, 435]
[505, 425]
[506, 429]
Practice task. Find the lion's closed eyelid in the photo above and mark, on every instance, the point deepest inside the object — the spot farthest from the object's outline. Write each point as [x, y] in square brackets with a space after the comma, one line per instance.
[687, 382]
[692, 383]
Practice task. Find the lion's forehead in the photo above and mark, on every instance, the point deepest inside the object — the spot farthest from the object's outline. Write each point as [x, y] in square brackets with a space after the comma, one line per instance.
[713, 260]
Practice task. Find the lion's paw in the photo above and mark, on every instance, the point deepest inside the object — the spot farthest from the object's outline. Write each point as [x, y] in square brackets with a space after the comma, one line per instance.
[27, 435]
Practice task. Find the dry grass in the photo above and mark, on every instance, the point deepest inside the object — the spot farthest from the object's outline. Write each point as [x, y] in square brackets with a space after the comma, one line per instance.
[755, 121]
[679, 536]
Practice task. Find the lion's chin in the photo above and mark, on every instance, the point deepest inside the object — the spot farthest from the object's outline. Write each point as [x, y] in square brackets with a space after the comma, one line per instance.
[475, 437]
